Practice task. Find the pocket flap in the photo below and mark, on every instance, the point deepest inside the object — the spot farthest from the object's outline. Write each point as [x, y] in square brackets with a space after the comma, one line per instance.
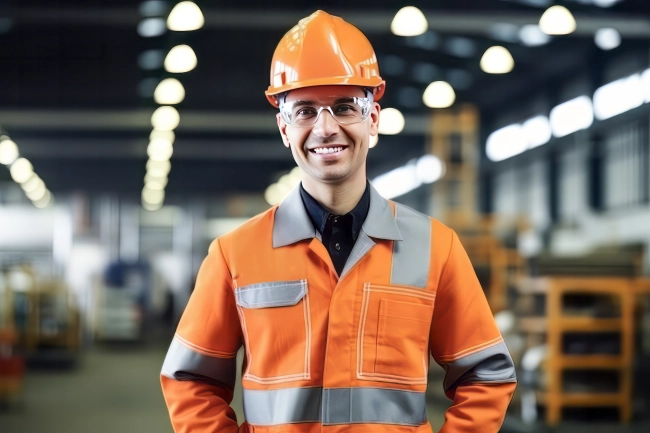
[272, 294]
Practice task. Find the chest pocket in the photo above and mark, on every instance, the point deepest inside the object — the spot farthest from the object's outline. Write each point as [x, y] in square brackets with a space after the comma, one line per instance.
[276, 323]
[393, 336]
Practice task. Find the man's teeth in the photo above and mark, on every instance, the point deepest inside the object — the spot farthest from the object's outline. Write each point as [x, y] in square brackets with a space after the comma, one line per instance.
[328, 149]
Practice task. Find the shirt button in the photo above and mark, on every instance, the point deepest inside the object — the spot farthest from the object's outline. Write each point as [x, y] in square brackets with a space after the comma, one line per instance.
[337, 246]
[336, 219]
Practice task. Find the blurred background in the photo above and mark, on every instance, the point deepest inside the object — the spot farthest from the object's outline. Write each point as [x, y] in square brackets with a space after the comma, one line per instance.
[134, 133]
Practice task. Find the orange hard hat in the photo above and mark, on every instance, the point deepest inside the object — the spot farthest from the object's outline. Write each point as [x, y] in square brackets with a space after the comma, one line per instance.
[323, 49]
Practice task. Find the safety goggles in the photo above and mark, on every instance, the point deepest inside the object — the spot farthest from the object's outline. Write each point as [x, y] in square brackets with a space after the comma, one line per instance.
[345, 110]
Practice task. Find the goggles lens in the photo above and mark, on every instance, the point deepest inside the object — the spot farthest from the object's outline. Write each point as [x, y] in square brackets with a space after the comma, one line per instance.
[349, 110]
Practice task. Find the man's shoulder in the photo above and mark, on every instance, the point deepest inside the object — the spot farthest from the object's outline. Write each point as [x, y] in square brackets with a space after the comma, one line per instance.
[254, 228]
[405, 212]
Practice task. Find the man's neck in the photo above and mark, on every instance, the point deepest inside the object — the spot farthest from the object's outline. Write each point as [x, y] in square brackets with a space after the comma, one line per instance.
[338, 199]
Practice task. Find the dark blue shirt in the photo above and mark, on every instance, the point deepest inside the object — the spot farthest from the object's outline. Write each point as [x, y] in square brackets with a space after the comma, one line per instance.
[338, 232]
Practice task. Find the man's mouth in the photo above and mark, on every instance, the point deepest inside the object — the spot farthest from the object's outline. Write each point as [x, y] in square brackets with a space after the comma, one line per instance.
[326, 150]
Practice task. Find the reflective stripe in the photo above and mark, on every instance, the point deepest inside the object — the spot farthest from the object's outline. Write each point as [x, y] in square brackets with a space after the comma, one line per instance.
[184, 363]
[282, 406]
[272, 294]
[492, 364]
[411, 256]
[373, 405]
[335, 406]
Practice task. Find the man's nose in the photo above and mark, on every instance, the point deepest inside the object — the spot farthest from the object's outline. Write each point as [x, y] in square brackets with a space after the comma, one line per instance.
[325, 125]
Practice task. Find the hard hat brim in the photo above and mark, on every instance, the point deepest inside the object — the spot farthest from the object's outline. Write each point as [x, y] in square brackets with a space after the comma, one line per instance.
[374, 82]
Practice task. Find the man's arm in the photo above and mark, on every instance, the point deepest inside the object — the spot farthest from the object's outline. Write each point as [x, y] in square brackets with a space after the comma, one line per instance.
[465, 341]
[198, 375]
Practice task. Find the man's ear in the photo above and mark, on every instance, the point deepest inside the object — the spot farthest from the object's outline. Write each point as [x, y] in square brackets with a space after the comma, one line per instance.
[374, 118]
[282, 127]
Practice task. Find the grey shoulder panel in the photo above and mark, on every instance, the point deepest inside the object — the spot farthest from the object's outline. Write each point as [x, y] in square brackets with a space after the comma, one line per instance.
[412, 255]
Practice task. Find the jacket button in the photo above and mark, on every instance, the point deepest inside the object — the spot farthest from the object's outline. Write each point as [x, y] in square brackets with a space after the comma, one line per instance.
[337, 246]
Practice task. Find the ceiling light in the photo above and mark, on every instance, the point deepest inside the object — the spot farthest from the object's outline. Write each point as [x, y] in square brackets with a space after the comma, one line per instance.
[151, 177]
[572, 116]
[151, 207]
[439, 94]
[273, 195]
[160, 150]
[607, 39]
[409, 21]
[33, 183]
[165, 118]
[374, 139]
[296, 175]
[557, 20]
[152, 196]
[497, 60]
[163, 135]
[151, 27]
[532, 36]
[21, 170]
[170, 91]
[180, 59]
[429, 168]
[37, 193]
[537, 131]
[151, 59]
[618, 97]
[44, 201]
[185, 16]
[391, 121]
[156, 184]
[506, 142]
[158, 168]
[8, 152]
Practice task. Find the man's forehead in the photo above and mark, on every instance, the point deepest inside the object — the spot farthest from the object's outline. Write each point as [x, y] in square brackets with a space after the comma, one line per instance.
[324, 92]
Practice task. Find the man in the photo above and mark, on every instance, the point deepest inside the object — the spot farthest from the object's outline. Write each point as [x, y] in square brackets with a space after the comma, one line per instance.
[337, 295]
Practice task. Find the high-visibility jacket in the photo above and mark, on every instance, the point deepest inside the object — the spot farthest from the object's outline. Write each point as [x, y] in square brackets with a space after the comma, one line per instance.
[333, 354]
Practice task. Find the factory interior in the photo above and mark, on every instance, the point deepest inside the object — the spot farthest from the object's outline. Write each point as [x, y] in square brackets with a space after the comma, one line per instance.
[134, 133]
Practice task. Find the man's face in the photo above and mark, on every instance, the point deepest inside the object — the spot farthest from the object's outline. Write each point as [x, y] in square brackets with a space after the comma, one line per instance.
[308, 144]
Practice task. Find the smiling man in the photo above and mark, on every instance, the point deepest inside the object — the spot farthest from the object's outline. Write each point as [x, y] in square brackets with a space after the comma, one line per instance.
[339, 296]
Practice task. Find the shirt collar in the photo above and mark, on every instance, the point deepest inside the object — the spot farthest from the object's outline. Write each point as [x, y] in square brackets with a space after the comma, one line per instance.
[319, 214]
[292, 222]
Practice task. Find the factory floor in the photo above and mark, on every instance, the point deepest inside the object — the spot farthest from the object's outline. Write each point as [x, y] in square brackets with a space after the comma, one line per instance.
[116, 389]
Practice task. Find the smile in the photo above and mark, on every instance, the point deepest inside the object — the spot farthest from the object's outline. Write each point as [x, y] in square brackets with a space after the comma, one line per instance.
[328, 150]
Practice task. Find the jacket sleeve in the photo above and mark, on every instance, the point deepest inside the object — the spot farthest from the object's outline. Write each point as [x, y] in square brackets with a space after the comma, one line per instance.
[479, 372]
[198, 374]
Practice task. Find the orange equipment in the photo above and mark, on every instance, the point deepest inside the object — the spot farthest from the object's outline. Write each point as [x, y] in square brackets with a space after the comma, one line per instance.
[332, 354]
[323, 50]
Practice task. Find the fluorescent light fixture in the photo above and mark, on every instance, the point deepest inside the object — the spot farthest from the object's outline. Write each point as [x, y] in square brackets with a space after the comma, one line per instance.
[151, 27]
[21, 170]
[170, 91]
[618, 97]
[409, 21]
[391, 121]
[160, 150]
[572, 116]
[151, 207]
[186, 16]
[557, 20]
[180, 59]
[152, 196]
[165, 118]
[429, 168]
[37, 193]
[506, 142]
[158, 168]
[44, 201]
[537, 131]
[607, 39]
[33, 183]
[645, 84]
[374, 139]
[439, 94]
[497, 60]
[163, 135]
[8, 152]
[397, 182]
[532, 36]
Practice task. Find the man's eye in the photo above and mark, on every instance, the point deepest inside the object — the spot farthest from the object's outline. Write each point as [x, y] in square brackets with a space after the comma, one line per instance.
[308, 111]
[345, 109]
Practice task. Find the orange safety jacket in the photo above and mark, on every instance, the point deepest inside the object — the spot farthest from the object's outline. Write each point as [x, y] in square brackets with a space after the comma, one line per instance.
[334, 354]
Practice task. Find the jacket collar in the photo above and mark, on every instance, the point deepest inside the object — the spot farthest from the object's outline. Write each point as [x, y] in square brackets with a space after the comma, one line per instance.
[292, 223]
